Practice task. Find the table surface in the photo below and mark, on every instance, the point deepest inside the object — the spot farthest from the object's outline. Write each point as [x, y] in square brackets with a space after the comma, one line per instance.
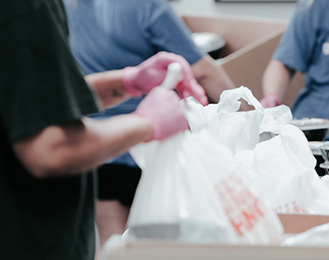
[269, 10]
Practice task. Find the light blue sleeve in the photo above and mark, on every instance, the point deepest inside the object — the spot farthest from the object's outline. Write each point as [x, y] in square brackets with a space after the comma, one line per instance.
[296, 46]
[167, 31]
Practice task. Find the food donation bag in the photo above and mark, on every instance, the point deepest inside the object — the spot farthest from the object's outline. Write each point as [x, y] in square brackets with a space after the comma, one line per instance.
[237, 130]
[282, 170]
[191, 190]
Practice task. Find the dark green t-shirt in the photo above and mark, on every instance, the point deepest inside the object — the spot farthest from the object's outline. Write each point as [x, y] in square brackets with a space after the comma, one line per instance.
[41, 85]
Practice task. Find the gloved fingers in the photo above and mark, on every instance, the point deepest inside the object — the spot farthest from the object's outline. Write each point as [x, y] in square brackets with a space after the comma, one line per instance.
[271, 100]
[162, 107]
[188, 86]
[149, 74]
[152, 72]
[192, 88]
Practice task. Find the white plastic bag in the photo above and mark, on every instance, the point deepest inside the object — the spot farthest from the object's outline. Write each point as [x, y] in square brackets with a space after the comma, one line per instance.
[282, 170]
[237, 130]
[191, 191]
[317, 236]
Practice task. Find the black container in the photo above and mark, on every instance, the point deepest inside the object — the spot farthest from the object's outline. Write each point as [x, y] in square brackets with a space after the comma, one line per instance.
[315, 130]
[316, 134]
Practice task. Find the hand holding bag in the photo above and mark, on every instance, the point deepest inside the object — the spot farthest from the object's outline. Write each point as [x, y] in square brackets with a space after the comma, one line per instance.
[191, 190]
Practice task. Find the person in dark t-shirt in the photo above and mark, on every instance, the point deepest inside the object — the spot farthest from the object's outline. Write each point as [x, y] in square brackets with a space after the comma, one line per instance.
[112, 34]
[48, 146]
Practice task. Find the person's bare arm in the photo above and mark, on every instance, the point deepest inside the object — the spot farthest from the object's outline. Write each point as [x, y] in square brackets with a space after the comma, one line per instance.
[212, 78]
[80, 146]
[276, 79]
[108, 86]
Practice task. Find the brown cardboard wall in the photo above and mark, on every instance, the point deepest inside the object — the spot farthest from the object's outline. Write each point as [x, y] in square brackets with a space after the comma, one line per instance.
[293, 224]
[250, 44]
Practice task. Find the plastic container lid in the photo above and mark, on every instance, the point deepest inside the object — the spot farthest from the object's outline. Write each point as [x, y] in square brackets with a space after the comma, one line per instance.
[208, 41]
[311, 123]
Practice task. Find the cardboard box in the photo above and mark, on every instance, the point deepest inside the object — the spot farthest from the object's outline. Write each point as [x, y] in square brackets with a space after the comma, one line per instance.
[155, 250]
[294, 224]
[250, 44]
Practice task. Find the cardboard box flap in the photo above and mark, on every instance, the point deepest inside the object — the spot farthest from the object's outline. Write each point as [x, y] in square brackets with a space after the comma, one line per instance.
[250, 44]
[294, 224]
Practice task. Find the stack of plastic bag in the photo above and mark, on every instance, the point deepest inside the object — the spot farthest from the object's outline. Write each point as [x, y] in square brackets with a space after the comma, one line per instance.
[282, 170]
[237, 130]
[192, 190]
[218, 183]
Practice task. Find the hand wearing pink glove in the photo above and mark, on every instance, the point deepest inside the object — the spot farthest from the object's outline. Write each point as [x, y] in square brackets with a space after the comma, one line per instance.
[161, 106]
[270, 100]
[151, 73]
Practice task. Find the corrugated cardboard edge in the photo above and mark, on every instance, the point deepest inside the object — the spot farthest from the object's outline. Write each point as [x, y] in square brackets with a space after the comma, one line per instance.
[294, 224]
[177, 251]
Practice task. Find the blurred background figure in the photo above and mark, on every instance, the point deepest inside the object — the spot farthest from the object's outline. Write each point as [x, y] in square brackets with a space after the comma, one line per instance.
[113, 34]
[304, 47]
[49, 147]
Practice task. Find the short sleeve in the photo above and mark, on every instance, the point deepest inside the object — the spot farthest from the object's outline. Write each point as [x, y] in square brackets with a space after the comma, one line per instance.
[168, 32]
[41, 83]
[297, 43]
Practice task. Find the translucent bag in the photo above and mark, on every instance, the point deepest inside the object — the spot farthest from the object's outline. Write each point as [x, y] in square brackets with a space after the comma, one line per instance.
[237, 130]
[191, 190]
[282, 171]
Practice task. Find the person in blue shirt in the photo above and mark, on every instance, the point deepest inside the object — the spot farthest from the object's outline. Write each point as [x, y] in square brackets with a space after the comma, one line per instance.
[112, 34]
[304, 47]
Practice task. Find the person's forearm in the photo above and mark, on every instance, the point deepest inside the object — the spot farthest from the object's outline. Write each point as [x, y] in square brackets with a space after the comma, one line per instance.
[108, 86]
[276, 79]
[59, 151]
[212, 78]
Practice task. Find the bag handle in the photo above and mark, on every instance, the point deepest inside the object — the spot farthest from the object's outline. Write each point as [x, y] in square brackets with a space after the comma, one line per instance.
[229, 100]
[173, 77]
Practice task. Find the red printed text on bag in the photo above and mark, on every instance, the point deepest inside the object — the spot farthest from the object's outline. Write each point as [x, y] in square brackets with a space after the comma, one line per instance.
[242, 207]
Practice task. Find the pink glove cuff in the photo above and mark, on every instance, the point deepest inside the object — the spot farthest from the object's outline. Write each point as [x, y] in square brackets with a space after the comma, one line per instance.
[129, 75]
[161, 106]
[271, 100]
[156, 128]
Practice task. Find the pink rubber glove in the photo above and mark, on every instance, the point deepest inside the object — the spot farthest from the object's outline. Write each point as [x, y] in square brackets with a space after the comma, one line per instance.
[271, 100]
[151, 73]
[161, 106]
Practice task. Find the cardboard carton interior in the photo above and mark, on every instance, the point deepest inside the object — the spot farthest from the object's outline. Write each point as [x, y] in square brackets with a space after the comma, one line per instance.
[294, 224]
[250, 44]
[157, 250]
